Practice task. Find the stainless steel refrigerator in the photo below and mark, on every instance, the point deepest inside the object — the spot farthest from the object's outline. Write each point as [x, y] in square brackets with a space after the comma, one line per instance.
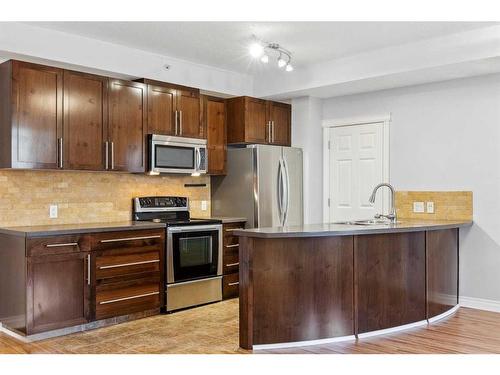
[263, 184]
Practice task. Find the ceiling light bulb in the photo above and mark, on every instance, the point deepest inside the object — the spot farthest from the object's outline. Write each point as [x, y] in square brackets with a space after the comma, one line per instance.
[264, 59]
[289, 67]
[281, 62]
[256, 49]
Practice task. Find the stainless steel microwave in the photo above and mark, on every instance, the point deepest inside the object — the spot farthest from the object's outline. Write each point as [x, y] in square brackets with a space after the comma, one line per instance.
[168, 154]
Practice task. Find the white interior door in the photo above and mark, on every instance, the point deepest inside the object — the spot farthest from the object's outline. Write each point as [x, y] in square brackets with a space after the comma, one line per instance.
[356, 165]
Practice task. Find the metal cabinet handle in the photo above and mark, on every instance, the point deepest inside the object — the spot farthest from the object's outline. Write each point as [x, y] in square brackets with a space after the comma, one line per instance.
[269, 131]
[235, 245]
[60, 147]
[180, 122]
[88, 269]
[112, 155]
[62, 244]
[272, 131]
[106, 152]
[176, 120]
[232, 229]
[130, 239]
[129, 264]
[232, 264]
[127, 298]
[236, 283]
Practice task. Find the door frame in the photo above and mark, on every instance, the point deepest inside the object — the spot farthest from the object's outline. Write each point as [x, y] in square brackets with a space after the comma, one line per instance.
[327, 125]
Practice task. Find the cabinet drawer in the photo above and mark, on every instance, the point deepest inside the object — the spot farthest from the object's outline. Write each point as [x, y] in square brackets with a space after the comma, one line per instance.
[231, 264]
[146, 239]
[229, 228]
[110, 264]
[126, 298]
[57, 245]
[230, 285]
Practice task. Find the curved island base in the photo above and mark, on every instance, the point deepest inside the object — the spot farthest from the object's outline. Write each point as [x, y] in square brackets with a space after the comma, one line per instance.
[327, 283]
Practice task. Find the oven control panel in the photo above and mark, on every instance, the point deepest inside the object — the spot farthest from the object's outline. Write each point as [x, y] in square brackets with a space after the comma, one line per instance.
[165, 203]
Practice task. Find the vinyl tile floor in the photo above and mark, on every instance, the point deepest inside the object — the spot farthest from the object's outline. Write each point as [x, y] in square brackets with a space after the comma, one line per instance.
[214, 329]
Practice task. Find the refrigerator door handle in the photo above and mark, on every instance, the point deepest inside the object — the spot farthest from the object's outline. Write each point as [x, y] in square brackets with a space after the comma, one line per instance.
[287, 192]
[279, 191]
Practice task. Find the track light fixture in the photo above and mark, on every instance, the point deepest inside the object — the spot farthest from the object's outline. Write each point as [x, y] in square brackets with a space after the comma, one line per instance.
[259, 49]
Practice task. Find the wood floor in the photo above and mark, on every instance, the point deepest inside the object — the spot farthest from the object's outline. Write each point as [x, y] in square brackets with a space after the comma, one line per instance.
[214, 329]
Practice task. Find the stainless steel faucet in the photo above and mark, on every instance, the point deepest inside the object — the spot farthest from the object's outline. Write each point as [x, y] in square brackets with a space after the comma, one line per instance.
[392, 214]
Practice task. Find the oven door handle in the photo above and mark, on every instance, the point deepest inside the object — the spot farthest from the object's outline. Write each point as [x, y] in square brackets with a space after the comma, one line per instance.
[194, 228]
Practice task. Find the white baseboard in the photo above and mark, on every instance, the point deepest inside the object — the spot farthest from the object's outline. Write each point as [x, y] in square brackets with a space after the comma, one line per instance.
[480, 303]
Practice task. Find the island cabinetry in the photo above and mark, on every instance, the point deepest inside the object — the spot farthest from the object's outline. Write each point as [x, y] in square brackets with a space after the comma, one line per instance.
[231, 260]
[389, 280]
[442, 271]
[296, 289]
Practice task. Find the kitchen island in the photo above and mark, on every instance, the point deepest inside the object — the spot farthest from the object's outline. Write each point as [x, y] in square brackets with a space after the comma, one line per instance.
[322, 283]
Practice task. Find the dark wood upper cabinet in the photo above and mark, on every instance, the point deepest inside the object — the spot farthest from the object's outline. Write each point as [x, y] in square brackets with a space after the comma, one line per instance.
[214, 116]
[161, 110]
[31, 115]
[85, 121]
[252, 120]
[127, 125]
[279, 115]
[173, 109]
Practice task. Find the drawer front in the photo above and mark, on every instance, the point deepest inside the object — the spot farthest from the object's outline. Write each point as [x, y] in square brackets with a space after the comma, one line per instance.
[57, 245]
[145, 239]
[126, 298]
[230, 286]
[229, 228]
[110, 264]
[231, 264]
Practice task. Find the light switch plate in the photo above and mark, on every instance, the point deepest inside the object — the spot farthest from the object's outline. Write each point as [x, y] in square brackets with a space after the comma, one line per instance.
[418, 207]
[53, 211]
[203, 205]
[430, 207]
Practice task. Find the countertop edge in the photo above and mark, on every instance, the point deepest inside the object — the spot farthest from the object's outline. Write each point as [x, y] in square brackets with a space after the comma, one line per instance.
[86, 228]
[349, 232]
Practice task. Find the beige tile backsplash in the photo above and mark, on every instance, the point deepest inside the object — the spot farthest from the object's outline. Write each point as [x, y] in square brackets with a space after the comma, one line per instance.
[448, 205]
[87, 197]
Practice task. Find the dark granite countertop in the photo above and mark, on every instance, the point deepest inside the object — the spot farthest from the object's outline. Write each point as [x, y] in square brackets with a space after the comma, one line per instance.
[61, 229]
[332, 229]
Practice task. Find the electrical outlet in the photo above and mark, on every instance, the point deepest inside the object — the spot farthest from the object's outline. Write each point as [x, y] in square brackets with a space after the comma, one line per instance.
[430, 207]
[53, 211]
[418, 207]
[203, 205]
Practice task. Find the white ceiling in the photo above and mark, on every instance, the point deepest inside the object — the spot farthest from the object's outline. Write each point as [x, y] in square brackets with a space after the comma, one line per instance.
[224, 44]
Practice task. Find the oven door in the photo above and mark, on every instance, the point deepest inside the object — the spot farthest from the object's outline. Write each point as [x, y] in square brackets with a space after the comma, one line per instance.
[177, 155]
[194, 252]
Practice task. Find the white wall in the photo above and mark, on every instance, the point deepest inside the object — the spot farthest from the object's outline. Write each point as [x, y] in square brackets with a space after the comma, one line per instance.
[444, 136]
[37, 44]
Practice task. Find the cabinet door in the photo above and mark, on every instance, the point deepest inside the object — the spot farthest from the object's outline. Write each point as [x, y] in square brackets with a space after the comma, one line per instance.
[389, 280]
[85, 121]
[256, 123]
[188, 105]
[215, 117]
[37, 115]
[57, 292]
[127, 125]
[161, 110]
[442, 271]
[280, 117]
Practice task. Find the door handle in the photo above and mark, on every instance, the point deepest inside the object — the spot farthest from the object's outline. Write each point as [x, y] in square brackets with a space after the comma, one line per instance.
[269, 131]
[129, 239]
[279, 191]
[287, 192]
[62, 244]
[88, 269]
[112, 155]
[129, 264]
[180, 122]
[106, 152]
[176, 121]
[60, 147]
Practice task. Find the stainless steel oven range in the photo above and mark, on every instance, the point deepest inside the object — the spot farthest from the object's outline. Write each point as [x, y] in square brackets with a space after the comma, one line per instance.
[193, 251]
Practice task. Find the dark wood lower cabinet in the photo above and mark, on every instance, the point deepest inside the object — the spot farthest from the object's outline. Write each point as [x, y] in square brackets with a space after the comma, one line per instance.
[57, 291]
[442, 271]
[301, 288]
[389, 280]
